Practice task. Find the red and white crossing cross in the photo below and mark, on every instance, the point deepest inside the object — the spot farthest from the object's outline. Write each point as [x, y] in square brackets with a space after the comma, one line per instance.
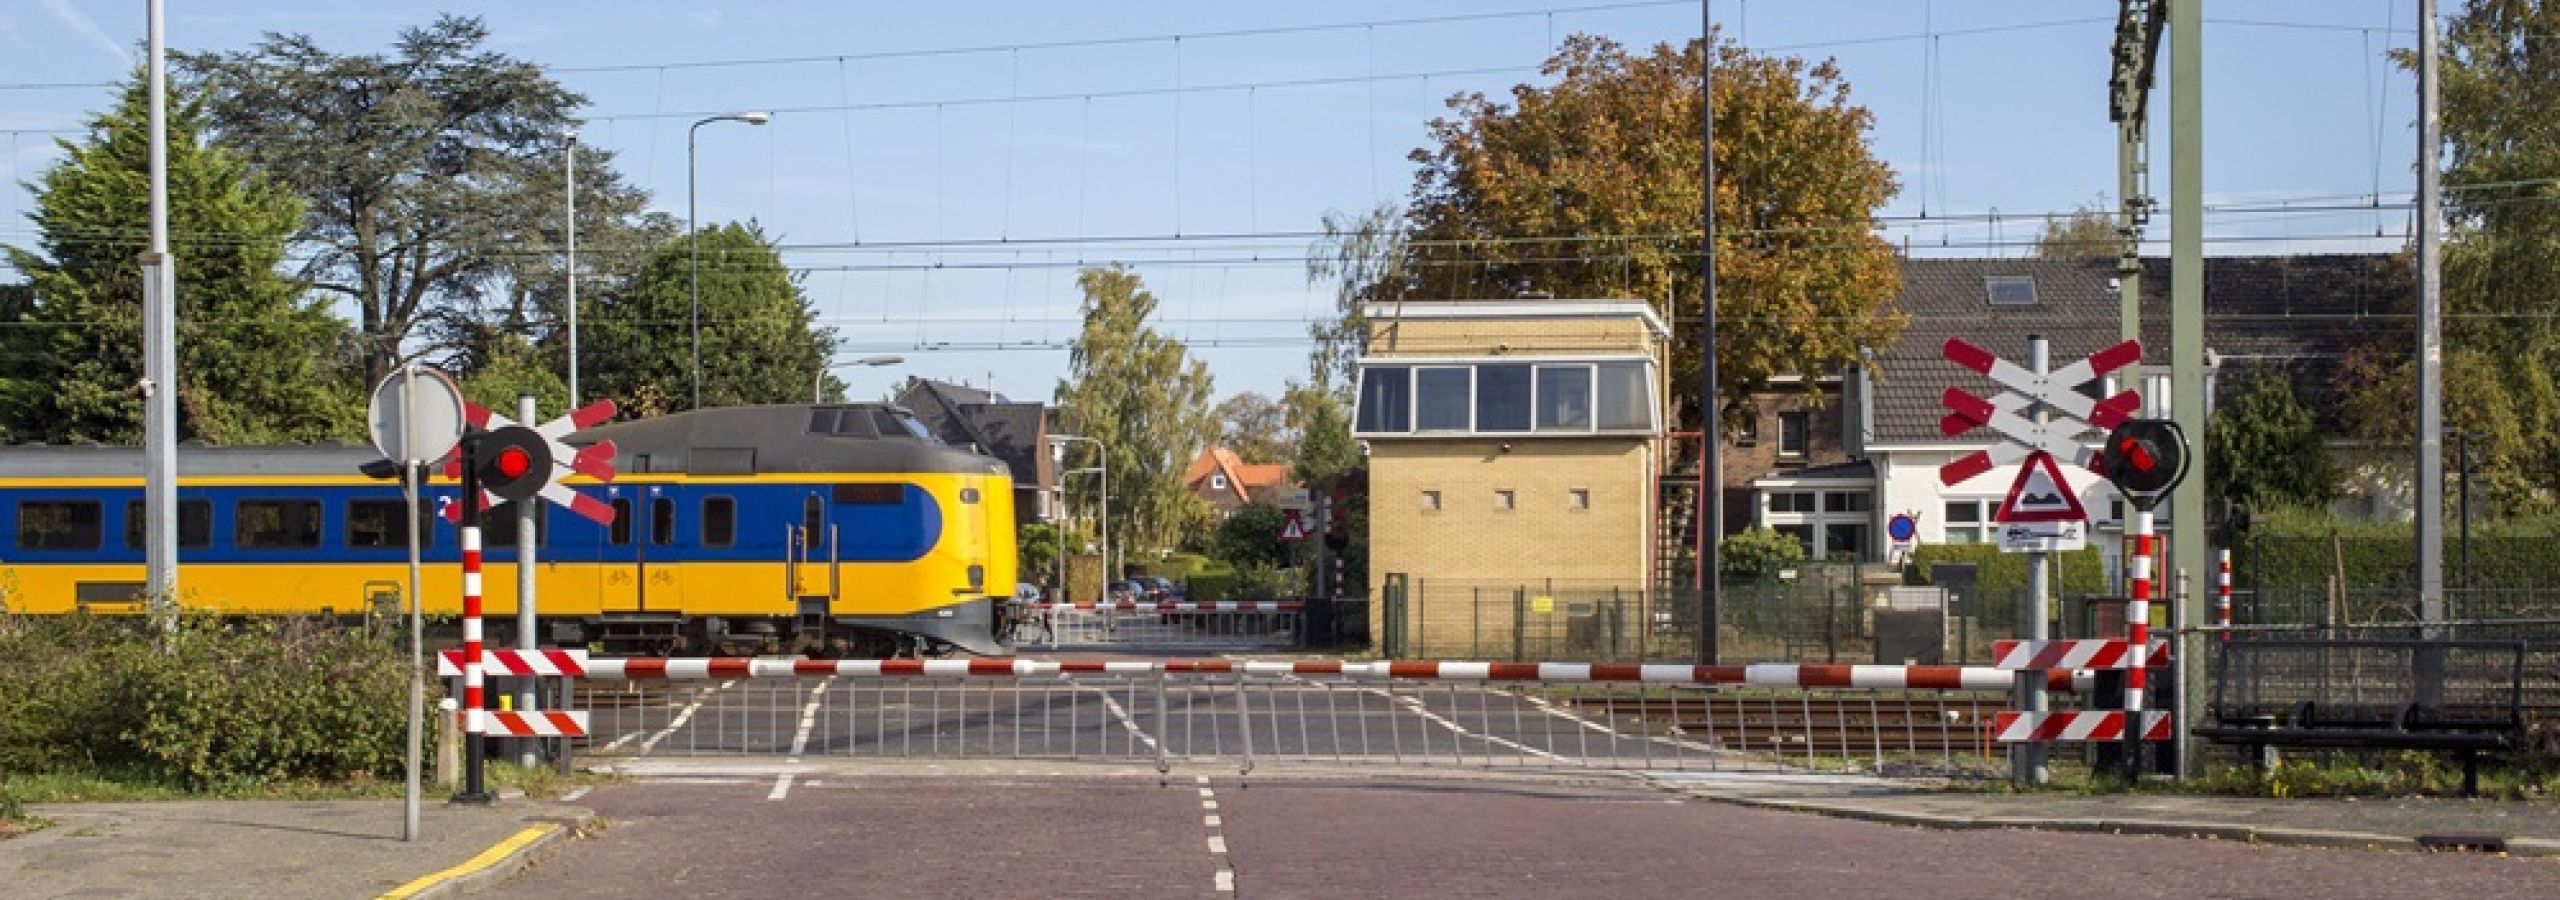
[527, 453]
[2005, 412]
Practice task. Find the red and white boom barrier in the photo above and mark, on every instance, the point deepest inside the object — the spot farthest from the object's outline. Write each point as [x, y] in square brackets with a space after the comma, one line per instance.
[575, 664]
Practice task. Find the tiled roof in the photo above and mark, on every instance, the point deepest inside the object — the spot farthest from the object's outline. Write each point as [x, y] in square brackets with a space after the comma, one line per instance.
[1245, 476]
[2294, 312]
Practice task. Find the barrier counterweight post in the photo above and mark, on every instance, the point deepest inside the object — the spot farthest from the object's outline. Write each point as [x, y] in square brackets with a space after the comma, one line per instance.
[2222, 593]
[474, 789]
[2137, 624]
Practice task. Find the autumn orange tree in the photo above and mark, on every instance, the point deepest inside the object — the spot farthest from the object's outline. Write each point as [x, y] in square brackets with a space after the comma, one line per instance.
[1588, 187]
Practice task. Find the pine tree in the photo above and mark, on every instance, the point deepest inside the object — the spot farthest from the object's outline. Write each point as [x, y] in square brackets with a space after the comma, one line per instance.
[259, 361]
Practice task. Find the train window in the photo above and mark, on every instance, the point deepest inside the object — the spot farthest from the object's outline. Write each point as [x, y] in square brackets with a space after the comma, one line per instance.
[719, 522]
[498, 527]
[968, 495]
[195, 524]
[276, 524]
[621, 532]
[662, 521]
[871, 494]
[813, 516]
[59, 524]
[376, 524]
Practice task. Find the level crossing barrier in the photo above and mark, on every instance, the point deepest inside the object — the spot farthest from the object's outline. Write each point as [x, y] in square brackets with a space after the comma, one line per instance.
[1901, 719]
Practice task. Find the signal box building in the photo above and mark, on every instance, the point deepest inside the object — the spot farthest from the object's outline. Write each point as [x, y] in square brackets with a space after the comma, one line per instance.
[1513, 446]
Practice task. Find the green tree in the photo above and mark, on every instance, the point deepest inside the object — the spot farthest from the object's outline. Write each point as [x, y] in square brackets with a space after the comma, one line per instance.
[1588, 187]
[257, 358]
[515, 368]
[1039, 544]
[2501, 264]
[1256, 427]
[421, 167]
[2264, 450]
[760, 343]
[1251, 537]
[1143, 396]
[2088, 232]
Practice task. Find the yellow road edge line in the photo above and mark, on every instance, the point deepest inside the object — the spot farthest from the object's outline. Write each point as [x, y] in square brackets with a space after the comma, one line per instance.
[487, 858]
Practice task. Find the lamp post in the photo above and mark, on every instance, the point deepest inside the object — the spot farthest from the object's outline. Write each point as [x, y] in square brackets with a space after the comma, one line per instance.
[818, 383]
[693, 230]
[571, 268]
[1059, 441]
[1106, 532]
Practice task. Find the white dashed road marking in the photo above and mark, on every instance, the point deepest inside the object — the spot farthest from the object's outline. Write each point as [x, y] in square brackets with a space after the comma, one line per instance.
[781, 786]
[1224, 879]
[681, 718]
[572, 796]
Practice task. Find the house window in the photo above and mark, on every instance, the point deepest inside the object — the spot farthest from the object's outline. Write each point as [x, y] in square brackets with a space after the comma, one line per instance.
[1578, 498]
[1217, 482]
[1791, 502]
[195, 525]
[1964, 522]
[2009, 290]
[1442, 396]
[1845, 502]
[1748, 434]
[1803, 535]
[59, 525]
[1430, 501]
[1793, 435]
[1505, 500]
[1841, 541]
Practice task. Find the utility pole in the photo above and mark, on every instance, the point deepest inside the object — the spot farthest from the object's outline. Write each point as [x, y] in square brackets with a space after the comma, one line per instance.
[2186, 295]
[571, 269]
[2137, 53]
[2430, 499]
[1710, 505]
[160, 358]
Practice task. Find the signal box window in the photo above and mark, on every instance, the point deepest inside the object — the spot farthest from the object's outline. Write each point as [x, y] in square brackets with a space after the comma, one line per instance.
[662, 521]
[276, 524]
[195, 524]
[59, 525]
[719, 522]
[374, 524]
[621, 532]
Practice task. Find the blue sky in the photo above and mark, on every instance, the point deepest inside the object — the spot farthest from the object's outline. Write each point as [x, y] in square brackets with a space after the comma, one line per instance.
[926, 195]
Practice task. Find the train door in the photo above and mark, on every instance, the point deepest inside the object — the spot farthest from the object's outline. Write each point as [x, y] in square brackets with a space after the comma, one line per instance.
[661, 584]
[973, 522]
[622, 561]
[809, 552]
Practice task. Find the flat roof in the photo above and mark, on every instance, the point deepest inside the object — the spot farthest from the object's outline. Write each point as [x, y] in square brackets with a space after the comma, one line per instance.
[1519, 309]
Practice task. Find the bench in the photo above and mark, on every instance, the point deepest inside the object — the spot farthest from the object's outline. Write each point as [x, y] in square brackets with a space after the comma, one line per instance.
[2459, 697]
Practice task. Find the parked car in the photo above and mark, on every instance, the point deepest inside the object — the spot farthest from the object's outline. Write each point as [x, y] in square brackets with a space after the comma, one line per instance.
[1026, 592]
[1169, 589]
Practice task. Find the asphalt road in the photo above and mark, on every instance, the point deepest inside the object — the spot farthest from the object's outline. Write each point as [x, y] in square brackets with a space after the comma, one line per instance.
[1001, 830]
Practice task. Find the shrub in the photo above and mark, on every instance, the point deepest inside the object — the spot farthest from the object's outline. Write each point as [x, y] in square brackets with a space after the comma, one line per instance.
[1758, 553]
[209, 704]
[1999, 574]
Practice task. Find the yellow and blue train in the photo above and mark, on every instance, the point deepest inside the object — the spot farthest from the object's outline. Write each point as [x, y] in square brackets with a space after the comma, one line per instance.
[839, 529]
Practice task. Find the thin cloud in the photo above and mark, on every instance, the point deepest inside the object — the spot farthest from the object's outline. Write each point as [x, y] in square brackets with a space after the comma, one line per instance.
[70, 15]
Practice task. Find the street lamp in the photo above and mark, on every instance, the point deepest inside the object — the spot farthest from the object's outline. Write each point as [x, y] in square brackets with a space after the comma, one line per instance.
[1058, 450]
[818, 385]
[693, 228]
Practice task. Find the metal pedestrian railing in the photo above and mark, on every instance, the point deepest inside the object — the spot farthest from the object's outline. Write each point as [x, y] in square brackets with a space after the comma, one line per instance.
[1889, 719]
[1169, 625]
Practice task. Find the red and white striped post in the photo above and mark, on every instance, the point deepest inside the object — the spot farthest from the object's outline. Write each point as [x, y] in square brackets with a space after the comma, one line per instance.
[2222, 593]
[474, 789]
[2137, 625]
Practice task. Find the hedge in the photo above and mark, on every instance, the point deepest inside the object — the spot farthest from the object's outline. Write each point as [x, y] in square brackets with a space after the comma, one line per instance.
[1998, 574]
[2291, 549]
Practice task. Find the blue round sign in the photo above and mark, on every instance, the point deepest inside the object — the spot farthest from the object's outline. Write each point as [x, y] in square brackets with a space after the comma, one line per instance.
[1902, 527]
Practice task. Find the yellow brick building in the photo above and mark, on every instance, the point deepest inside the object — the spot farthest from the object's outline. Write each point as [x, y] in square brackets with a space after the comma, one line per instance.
[1511, 444]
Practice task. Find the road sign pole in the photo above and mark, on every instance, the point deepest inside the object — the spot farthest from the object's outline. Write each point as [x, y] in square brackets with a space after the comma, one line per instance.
[2027, 761]
[527, 524]
[474, 790]
[412, 474]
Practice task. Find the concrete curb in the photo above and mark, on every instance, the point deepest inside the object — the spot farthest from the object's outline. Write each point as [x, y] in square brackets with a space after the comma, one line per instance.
[2283, 836]
[472, 876]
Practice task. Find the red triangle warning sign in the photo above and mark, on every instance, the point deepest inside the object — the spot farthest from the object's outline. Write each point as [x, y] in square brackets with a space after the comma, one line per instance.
[1293, 528]
[2040, 494]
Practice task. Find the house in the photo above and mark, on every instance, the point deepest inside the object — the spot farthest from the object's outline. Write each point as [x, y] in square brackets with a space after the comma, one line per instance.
[2294, 314]
[1510, 443]
[1228, 483]
[989, 423]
